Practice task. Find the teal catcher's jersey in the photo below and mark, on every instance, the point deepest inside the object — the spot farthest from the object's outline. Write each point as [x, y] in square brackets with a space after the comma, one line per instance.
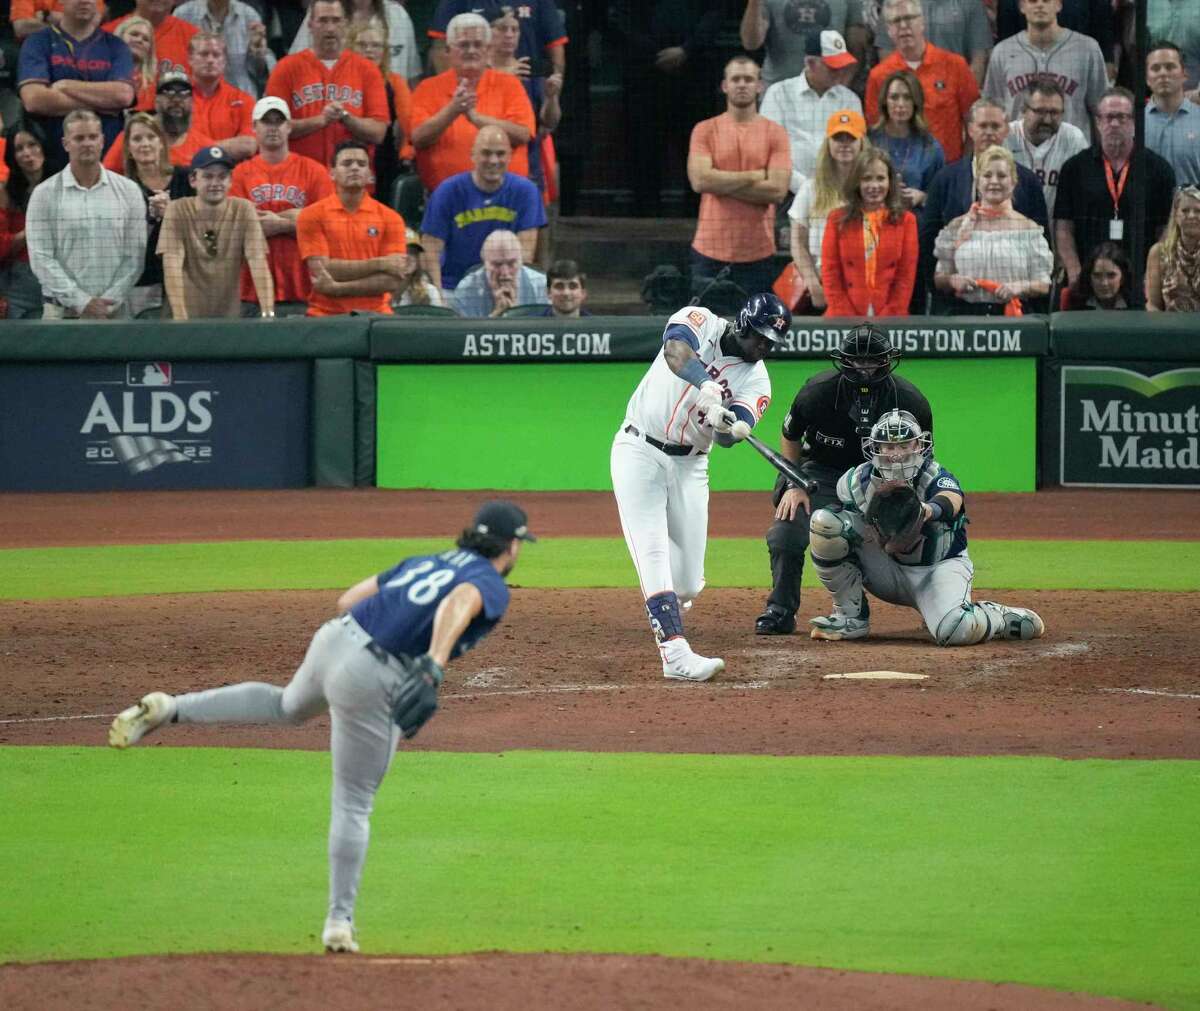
[939, 540]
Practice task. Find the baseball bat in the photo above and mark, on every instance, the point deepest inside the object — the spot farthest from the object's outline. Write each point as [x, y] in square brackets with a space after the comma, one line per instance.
[783, 465]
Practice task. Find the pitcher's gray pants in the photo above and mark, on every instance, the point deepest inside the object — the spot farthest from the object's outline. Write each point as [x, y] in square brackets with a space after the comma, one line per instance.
[341, 675]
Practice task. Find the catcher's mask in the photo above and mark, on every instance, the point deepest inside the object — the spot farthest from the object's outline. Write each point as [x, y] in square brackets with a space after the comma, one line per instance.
[763, 320]
[866, 355]
[897, 446]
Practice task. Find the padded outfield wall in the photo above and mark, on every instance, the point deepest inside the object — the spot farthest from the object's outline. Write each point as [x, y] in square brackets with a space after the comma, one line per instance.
[438, 402]
[529, 404]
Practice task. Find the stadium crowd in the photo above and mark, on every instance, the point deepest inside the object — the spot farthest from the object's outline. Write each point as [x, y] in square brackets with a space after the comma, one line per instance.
[223, 158]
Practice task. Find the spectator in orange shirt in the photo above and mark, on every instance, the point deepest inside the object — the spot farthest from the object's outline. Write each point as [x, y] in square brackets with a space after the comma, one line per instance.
[354, 247]
[218, 108]
[280, 184]
[29, 16]
[173, 110]
[171, 35]
[948, 83]
[334, 94]
[740, 162]
[368, 39]
[449, 109]
[138, 35]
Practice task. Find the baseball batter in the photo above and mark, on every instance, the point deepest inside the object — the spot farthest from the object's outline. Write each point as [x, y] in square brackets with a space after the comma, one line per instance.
[708, 383]
[823, 434]
[930, 571]
[376, 668]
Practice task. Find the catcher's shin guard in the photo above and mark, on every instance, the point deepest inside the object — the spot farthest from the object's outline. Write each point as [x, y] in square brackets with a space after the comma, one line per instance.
[966, 625]
[832, 539]
[975, 623]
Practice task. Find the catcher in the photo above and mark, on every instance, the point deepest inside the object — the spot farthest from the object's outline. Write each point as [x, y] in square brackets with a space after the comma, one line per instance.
[901, 533]
[376, 668]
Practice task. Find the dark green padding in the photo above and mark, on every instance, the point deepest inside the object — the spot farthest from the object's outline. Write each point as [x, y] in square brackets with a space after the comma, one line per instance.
[1109, 336]
[159, 340]
[333, 418]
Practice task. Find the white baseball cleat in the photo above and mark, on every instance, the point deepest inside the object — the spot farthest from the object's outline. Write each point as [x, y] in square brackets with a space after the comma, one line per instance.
[1019, 622]
[339, 936]
[680, 663]
[136, 722]
[838, 627]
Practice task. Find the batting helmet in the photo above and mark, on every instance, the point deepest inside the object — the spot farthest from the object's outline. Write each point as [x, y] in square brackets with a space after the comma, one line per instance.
[866, 355]
[764, 315]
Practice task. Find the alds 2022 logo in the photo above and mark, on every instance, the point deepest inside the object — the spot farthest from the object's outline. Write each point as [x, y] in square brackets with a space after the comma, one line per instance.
[127, 427]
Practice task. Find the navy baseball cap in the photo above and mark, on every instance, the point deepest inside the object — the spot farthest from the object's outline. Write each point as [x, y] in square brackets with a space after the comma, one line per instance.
[213, 155]
[503, 520]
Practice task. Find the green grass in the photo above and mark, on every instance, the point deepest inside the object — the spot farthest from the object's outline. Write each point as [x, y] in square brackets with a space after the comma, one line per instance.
[1075, 875]
[38, 573]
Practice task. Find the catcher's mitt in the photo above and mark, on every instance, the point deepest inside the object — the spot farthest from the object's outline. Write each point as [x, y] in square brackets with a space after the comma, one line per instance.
[897, 515]
[416, 695]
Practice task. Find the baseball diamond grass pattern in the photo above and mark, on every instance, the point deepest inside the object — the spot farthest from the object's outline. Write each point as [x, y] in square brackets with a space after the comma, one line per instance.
[1081, 875]
[42, 573]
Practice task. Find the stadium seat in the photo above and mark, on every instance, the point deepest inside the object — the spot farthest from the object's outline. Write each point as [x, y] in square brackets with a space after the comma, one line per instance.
[531, 309]
[408, 200]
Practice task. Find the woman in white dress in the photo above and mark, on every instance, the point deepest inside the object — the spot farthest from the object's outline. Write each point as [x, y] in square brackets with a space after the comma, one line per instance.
[992, 260]
[817, 196]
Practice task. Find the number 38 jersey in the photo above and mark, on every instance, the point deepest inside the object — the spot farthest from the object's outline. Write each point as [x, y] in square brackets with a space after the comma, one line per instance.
[664, 406]
[400, 616]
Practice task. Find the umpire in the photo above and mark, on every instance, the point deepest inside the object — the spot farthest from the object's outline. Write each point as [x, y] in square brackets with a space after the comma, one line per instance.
[823, 432]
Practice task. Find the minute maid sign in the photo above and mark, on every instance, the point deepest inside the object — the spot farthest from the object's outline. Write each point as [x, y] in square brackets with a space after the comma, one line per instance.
[1120, 427]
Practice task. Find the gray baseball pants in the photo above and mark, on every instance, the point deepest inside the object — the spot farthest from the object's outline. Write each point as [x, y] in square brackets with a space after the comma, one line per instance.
[339, 674]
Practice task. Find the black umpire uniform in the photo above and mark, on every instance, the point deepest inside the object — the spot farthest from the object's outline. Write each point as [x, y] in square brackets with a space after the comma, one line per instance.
[829, 417]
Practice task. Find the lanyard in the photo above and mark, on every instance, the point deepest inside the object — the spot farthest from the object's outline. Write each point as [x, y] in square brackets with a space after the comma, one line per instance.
[1116, 187]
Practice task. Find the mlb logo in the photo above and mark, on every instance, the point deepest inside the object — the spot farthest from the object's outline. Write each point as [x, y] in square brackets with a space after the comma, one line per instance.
[148, 373]
[373, 232]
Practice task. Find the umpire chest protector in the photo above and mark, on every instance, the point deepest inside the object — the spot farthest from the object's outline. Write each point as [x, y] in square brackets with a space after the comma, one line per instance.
[830, 415]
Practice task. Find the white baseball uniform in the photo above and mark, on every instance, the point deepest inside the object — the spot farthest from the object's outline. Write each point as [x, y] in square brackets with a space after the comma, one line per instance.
[660, 455]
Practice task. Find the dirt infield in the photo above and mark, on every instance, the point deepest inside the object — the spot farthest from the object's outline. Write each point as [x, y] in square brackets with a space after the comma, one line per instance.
[501, 982]
[1115, 676]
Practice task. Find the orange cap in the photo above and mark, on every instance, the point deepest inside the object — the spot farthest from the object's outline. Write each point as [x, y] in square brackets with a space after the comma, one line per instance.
[847, 121]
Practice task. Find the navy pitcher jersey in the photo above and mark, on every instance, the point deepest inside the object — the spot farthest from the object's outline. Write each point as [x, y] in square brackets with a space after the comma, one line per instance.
[400, 616]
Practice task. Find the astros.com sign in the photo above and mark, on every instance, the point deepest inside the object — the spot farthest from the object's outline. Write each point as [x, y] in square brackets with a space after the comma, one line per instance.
[948, 340]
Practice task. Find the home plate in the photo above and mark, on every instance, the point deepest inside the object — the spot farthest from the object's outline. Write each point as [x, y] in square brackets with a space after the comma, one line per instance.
[876, 675]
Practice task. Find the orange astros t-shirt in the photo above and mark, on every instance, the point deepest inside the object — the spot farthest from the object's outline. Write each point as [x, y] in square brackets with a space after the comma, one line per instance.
[950, 90]
[307, 86]
[24, 10]
[328, 229]
[179, 154]
[226, 113]
[171, 39]
[497, 94]
[294, 184]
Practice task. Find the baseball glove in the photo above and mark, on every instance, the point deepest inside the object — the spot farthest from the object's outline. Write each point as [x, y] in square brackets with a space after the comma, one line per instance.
[416, 695]
[897, 516]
